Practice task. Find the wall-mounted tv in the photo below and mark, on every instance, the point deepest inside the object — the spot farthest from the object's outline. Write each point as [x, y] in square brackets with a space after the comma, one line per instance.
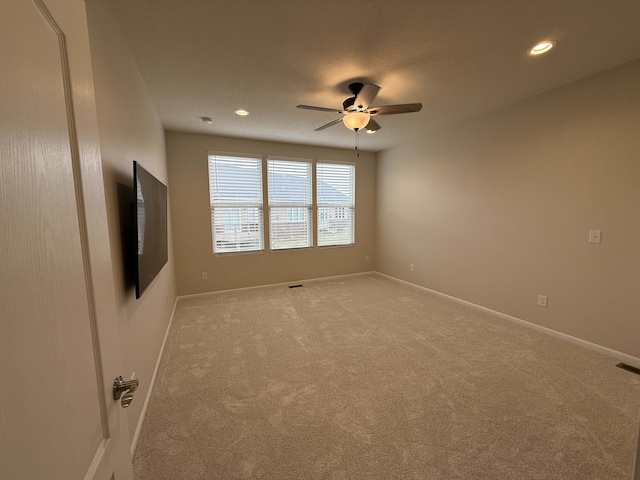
[150, 227]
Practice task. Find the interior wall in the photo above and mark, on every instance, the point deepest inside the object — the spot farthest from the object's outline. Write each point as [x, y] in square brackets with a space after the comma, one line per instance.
[187, 156]
[498, 210]
[129, 130]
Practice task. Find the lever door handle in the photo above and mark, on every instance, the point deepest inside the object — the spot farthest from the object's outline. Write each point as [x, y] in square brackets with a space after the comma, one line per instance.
[124, 390]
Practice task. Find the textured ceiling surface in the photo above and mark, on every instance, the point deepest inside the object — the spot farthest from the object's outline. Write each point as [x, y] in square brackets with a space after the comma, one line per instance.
[460, 58]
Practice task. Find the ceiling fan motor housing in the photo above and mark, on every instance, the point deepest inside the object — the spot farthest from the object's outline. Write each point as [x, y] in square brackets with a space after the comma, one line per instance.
[354, 88]
[348, 103]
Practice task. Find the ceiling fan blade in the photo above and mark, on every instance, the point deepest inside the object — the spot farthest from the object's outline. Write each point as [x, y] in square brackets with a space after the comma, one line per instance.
[367, 94]
[330, 124]
[393, 109]
[320, 109]
[372, 125]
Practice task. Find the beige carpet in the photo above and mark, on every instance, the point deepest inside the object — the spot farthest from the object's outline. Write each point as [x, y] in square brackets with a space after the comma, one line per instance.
[366, 378]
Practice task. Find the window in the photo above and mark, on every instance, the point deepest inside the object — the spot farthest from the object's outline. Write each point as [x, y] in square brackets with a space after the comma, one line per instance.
[336, 203]
[290, 202]
[238, 214]
[235, 191]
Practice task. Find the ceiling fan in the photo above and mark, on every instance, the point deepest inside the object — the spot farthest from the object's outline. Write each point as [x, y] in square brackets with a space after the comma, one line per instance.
[357, 110]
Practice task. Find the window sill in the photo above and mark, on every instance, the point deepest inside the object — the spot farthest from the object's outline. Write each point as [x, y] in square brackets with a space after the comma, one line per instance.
[282, 250]
[231, 254]
[324, 247]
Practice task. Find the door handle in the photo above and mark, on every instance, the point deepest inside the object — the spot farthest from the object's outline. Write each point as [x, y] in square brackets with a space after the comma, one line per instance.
[124, 390]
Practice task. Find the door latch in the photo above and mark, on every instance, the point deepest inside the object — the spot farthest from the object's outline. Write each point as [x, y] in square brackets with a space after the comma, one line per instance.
[124, 390]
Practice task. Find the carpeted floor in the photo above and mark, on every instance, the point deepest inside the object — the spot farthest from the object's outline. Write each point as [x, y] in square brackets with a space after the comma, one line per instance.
[366, 378]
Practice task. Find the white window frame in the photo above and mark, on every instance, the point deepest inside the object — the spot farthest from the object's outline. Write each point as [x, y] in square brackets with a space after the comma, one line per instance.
[278, 205]
[325, 221]
[247, 201]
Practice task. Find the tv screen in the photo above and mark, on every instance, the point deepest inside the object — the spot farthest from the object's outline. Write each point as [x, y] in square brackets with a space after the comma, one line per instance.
[150, 227]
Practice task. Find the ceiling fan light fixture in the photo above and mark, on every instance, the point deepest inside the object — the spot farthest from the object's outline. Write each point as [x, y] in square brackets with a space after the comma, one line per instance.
[242, 113]
[356, 120]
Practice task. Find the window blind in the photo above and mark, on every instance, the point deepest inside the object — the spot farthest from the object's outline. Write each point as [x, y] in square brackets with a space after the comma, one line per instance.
[290, 201]
[335, 185]
[235, 190]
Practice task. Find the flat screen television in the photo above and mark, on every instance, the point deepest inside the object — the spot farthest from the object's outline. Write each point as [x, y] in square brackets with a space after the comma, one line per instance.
[150, 227]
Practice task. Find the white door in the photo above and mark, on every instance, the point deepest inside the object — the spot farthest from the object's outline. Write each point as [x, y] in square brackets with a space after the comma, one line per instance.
[59, 349]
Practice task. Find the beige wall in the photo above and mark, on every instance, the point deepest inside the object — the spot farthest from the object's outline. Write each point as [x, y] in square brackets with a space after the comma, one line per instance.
[189, 190]
[498, 210]
[129, 130]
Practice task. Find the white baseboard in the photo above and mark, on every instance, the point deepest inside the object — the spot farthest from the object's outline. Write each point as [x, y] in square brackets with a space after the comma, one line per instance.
[136, 435]
[292, 282]
[626, 358]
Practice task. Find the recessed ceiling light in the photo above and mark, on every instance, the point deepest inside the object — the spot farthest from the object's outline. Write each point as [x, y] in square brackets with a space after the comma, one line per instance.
[542, 47]
[207, 120]
[242, 113]
[371, 132]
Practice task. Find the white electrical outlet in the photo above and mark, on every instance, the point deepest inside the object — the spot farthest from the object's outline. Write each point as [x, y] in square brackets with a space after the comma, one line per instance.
[412, 267]
[204, 275]
[595, 236]
[542, 300]
[366, 258]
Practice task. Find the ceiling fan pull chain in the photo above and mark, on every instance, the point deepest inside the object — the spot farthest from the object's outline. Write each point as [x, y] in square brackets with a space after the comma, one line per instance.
[357, 143]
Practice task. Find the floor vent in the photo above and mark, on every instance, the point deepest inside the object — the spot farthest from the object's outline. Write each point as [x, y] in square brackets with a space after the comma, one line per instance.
[295, 286]
[629, 368]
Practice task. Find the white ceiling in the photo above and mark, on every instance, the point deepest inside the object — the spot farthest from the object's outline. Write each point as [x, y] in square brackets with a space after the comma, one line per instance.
[460, 58]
